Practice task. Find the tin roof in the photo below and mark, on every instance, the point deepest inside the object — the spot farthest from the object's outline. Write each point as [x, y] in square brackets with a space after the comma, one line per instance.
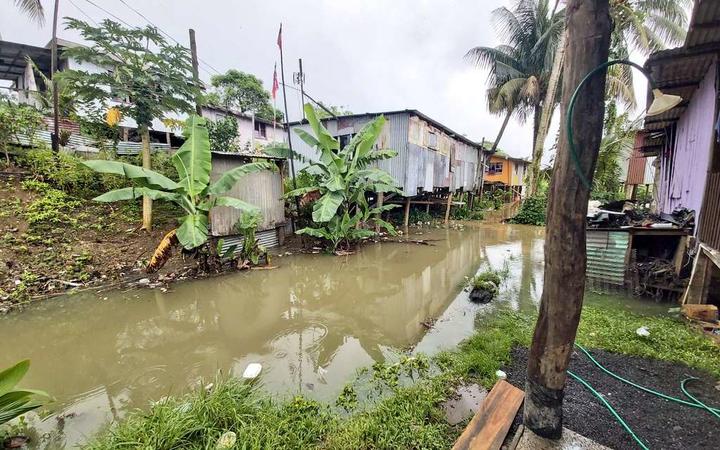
[413, 112]
[679, 71]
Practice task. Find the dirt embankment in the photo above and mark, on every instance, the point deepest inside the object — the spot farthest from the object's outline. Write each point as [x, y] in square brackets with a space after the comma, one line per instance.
[51, 243]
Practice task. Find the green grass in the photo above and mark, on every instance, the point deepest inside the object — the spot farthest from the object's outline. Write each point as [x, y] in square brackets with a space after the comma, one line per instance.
[407, 413]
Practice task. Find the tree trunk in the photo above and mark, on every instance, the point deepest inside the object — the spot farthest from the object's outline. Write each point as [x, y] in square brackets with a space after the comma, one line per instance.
[588, 36]
[147, 201]
[502, 131]
[547, 113]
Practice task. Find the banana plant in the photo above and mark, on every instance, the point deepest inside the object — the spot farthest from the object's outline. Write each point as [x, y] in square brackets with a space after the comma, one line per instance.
[344, 177]
[192, 191]
[16, 402]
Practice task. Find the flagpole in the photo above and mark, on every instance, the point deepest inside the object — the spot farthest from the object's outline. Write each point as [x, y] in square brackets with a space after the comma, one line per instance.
[287, 124]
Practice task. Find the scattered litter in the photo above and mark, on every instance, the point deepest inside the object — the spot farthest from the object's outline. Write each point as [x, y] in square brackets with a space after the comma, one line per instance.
[642, 332]
[226, 441]
[252, 370]
[144, 281]
[501, 375]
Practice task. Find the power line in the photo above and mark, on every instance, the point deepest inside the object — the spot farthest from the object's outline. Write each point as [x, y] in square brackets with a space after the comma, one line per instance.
[165, 33]
[83, 12]
[135, 27]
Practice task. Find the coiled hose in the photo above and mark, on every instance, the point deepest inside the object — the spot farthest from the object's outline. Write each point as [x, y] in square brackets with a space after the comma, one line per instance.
[695, 403]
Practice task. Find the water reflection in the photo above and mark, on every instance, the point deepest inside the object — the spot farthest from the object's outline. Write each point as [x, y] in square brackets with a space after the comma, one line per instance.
[312, 323]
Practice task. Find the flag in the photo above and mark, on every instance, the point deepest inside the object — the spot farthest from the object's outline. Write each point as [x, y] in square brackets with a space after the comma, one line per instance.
[275, 85]
[279, 40]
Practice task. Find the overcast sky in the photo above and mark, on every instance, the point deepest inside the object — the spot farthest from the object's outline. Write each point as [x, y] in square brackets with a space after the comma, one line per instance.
[367, 55]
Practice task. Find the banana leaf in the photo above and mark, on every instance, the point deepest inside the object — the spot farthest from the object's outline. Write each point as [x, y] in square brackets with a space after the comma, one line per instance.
[152, 178]
[193, 232]
[192, 160]
[326, 207]
[229, 178]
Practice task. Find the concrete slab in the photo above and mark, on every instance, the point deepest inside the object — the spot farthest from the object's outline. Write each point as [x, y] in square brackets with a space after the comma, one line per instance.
[570, 441]
[466, 402]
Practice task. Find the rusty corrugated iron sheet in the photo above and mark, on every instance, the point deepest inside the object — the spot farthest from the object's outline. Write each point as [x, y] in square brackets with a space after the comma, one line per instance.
[607, 256]
[709, 229]
[638, 162]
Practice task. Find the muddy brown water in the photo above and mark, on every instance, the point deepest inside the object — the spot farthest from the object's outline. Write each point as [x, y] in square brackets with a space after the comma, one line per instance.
[312, 323]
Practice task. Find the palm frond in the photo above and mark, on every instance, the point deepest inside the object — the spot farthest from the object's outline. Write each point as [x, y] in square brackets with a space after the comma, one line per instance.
[33, 9]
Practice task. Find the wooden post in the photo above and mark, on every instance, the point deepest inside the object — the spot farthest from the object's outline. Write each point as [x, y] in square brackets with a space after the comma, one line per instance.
[146, 163]
[407, 213]
[55, 141]
[588, 28]
[380, 200]
[427, 208]
[196, 76]
[447, 209]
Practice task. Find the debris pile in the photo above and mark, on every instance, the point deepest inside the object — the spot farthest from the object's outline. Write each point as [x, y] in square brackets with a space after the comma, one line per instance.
[656, 276]
[625, 214]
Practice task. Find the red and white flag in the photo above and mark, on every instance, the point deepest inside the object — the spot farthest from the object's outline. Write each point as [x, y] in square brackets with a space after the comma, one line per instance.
[279, 40]
[275, 85]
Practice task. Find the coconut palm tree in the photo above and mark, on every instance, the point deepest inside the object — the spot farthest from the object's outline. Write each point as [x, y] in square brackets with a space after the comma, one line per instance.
[642, 25]
[33, 8]
[520, 67]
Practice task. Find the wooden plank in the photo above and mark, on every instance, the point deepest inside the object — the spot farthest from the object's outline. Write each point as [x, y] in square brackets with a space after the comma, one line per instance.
[490, 425]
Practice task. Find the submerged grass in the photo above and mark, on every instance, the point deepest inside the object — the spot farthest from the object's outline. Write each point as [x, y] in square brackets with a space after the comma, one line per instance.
[411, 415]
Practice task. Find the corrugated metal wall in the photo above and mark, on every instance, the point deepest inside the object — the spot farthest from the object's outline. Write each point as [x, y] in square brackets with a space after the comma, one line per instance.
[417, 167]
[262, 189]
[606, 256]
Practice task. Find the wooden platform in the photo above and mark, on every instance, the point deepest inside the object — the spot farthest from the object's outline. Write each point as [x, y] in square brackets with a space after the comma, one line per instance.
[491, 423]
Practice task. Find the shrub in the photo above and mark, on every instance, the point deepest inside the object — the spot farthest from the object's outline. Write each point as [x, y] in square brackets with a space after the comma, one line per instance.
[223, 134]
[484, 277]
[533, 211]
[52, 208]
[63, 171]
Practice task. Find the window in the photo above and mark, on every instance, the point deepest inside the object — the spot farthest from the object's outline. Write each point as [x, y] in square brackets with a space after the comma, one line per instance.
[345, 139]
[260, 130]
[432, 140]
[494, 168]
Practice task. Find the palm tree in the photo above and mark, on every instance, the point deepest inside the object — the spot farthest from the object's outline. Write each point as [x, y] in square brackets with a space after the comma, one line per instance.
[520, 67]
[643, 25]
[33, 8]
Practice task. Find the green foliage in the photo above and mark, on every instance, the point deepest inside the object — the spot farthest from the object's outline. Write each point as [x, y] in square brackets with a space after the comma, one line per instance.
[465, 213]
[52, 207]
[63, 171]
[243, 91]
[150, 75]
[338, 111]
[486, 276]
[193, 191]
[247, 226]
[343, 177]
[223, 134]
[15, 121]
[533, 211]
[494, 199]
[615, 148]
[16, 402]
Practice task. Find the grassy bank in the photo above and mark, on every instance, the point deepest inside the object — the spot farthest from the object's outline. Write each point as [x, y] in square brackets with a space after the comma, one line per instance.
[406, 413]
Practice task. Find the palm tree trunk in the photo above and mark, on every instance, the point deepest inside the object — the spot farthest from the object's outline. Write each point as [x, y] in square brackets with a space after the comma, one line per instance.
[147, 201]
[547, 113]
[501, 132]
[589, 25]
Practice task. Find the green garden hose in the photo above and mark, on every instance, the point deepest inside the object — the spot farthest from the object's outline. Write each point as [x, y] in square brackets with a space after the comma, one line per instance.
[712, 411]
[611, 409]
[695, 403]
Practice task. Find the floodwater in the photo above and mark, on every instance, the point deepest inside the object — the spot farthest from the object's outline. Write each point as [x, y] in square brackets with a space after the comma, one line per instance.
[312, 322]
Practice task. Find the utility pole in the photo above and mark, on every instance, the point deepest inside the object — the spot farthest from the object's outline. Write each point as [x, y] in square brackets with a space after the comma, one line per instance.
[196, 76]
[300, 79]
[53, 68]
[287, 124]
[588, 27]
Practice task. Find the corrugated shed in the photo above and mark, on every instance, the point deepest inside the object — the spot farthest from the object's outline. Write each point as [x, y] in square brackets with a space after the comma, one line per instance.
[267, 238]
[709, 229]
[262, 189]
[704, 27]
[606, 256]
[638, 162]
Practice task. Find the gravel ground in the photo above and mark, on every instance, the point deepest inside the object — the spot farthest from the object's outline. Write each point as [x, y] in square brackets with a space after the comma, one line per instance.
[661, 424]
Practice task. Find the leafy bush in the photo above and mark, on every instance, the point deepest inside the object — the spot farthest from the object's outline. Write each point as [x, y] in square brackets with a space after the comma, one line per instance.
[533, 211]
[63, 171]
[223, 134]
[483, 277]
[54, 207]
[16, 402]
[247, 226]
[465, 213]
[15, 121]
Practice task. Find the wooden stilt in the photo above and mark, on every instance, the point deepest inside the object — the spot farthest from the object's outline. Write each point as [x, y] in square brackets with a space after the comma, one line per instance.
[427, 208]
[407, 213]
[447, 210]
[381, 198]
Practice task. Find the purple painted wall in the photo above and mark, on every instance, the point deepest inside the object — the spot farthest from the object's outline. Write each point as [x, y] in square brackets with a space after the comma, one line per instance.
[684, 168]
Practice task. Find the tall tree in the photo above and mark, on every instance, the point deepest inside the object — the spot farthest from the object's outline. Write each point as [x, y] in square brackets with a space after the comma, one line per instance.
[150, 77]
[519, 68]
[643, 25]
[243, 91]
[588, 42]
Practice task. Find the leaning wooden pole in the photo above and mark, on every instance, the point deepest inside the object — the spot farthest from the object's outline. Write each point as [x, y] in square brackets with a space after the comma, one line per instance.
[588, 39]
[55, 141]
